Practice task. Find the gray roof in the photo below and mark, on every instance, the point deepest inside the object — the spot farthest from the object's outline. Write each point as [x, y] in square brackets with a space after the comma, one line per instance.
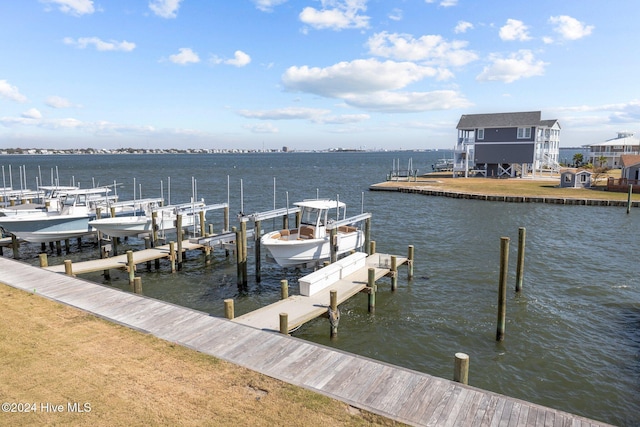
[501, 120]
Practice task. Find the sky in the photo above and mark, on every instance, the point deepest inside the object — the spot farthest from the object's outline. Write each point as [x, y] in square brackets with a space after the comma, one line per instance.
[309, 74]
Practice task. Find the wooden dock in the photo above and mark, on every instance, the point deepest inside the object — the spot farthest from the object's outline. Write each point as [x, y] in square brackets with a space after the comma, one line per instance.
[301, 309]
[120, 261]
[401, 394]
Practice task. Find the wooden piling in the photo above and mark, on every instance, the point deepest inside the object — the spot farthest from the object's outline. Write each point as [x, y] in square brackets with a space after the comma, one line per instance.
[243, 235]
[58, 247]
[67, 246]
[256, 243]
[147, 245]
[179, 240]
[410, 257]
[131, 267]
[172, 256]
[228, 309]
[284, 323]
[461, 368]
[629, 198]
[333, 244]
[15, 245]
[68, 269]
[137, 285]
[367, 236]
[284, 289]
[502, 289]
[44, 262]
[394, 272]
[372, 247]
[202, 224]
[371, 282]
[522, 235]
[238, 256]
[226, 218]
[334, 313]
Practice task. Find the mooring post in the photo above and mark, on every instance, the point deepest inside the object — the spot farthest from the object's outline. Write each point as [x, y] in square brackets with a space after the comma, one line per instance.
[44, 262]
[131, 267]
[298, 219]
[371, 282]
[522, 235]
[67, 246]
[629, 198]
[137, 285]
[394, 272]
[243, 234]
[333, 244]
[284, 323]
[334, 313]
[502, 289]
[172, 256]
[68, 269]
[238, 255]
[202, 224]
[179, 238]
[284, 289]
[15, 245]
[372, 247]
[256, 242]
[154, 228]
[228, 309]
[461, 368]
[147, 245]
[410, 257]
[367, 236]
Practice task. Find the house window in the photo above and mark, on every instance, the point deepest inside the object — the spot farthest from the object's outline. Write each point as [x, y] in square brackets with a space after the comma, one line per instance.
[583, 178]
[567, 178]
[480, 133]
[524, 133]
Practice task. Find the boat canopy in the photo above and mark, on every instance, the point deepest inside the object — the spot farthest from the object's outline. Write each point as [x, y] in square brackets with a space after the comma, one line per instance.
[323, 204]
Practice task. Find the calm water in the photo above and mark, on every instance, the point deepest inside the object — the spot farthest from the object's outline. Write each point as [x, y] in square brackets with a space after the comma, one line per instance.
[572, 336]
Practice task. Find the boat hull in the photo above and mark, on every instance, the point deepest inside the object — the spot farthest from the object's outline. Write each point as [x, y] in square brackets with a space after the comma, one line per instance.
[37, 228]
[295, 252]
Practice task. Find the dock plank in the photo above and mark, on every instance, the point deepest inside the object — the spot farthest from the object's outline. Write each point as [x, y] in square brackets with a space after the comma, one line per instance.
[398, 393]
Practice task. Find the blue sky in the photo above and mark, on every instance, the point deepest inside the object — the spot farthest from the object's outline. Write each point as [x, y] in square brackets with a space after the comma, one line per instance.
[318, 74]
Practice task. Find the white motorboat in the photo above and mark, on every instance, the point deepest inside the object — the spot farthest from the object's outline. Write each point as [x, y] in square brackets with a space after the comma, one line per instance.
[77, 208]
[310, 242]
[166, 216]
[49, 196]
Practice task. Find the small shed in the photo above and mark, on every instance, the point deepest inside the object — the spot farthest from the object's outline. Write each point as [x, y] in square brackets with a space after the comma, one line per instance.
[574, 178]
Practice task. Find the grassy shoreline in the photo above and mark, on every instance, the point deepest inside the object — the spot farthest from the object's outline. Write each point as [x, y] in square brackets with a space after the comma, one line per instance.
[539, 187]
[54, 356]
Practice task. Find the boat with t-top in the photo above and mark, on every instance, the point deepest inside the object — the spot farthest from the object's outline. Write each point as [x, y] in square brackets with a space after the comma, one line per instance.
[310, 242]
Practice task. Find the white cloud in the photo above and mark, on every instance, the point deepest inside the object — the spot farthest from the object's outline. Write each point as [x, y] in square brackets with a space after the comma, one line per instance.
[514, 30]
[165, 8]
[73, 7]
[570, 28]
[358, 76]
[185, 56]
[408, 102]
[342, 119]
[32, 113]
[462, 27]
[336, 15]
[448, 3]
[11, 92]
[267, 5]
[521, 64]
[240, 59]
[396, 14]
[100, 45]
[372, 85]
[58, 102]
[430, 49]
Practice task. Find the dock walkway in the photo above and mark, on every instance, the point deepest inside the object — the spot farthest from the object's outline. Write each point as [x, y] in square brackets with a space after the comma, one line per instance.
[397, 393]
[301, 309]
[120, 261]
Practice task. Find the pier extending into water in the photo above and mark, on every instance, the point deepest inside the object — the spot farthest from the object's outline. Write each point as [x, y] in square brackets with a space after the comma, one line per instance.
[400, 394]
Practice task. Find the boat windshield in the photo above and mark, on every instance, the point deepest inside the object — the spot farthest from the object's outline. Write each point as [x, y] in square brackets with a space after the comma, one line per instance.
[309, 216]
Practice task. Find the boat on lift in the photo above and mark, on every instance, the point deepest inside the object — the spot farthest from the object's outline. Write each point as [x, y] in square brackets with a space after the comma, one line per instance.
[310, 242]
